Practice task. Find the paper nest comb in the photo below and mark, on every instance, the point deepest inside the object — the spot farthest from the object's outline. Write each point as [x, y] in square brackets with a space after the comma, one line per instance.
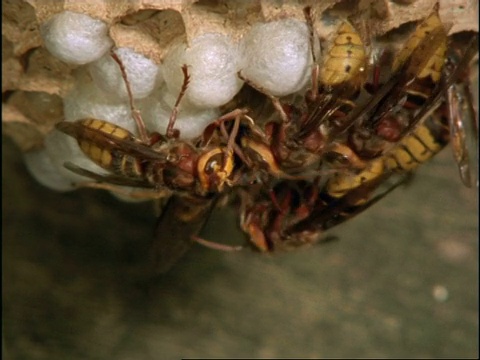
[56, 64]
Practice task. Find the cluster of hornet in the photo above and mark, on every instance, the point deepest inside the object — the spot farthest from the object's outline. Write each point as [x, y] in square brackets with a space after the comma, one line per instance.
[296, 167]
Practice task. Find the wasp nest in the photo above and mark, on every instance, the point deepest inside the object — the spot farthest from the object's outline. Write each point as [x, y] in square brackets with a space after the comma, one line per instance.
[57, 65]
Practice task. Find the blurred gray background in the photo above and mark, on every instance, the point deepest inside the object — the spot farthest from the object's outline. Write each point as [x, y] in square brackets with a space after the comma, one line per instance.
[402, 281]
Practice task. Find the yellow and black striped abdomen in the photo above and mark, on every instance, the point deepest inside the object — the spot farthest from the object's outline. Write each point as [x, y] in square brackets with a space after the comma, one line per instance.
[426, 27]
[107, 153]
[346, 58]
[418, 147]
[340, 184]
